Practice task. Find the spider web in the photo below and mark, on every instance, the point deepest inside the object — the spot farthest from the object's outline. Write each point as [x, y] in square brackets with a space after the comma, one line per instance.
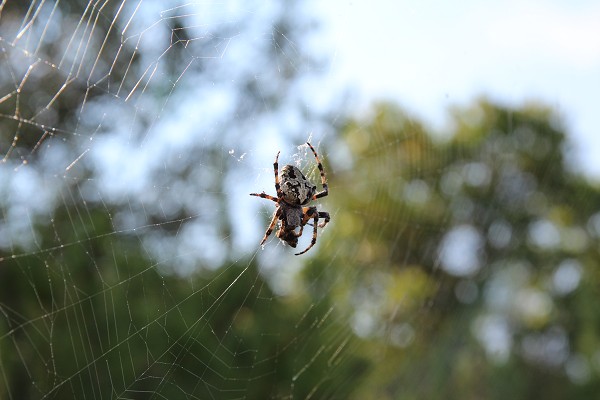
[128, 266]
[131, 134]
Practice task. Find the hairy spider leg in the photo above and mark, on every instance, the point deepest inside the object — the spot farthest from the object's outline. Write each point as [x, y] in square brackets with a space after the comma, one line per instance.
[315, 216]
[265, 196]
[276, 170]
[309, 213]
[325, 216]
[277, 186]
[276, 215]
[325, 190]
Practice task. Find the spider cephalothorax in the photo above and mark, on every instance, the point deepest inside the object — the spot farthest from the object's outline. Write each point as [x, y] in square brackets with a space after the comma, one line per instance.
[293, 192]
[296, 188]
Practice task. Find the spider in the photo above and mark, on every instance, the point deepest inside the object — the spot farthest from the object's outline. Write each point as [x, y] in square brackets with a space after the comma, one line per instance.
[294, 192]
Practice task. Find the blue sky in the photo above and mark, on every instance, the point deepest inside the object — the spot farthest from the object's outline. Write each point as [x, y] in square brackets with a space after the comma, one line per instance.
[431, 55]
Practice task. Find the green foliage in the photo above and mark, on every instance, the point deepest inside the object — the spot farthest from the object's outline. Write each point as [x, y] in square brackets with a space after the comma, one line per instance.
[85, 311]
[95, 317]
[383, 313]
[514, 314]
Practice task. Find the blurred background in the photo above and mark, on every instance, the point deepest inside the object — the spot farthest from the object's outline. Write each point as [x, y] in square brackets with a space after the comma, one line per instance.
[459, 142]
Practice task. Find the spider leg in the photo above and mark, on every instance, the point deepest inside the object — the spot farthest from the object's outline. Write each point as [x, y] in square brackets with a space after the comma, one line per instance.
[325, 190]
[309, 213]
[276, 215]
[276, 170]
[314, 237]
[325, 216]
[265, 196]
[277, 186]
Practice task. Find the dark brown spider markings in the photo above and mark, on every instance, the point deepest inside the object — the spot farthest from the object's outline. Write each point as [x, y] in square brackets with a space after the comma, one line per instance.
[293, 192]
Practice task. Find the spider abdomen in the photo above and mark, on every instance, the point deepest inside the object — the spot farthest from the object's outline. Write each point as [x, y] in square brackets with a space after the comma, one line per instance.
[295, 187]
[293, 217]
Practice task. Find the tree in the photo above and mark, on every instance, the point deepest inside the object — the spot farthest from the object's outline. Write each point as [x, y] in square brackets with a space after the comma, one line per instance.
[468, 260]
[93, 307]
[96, 317]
